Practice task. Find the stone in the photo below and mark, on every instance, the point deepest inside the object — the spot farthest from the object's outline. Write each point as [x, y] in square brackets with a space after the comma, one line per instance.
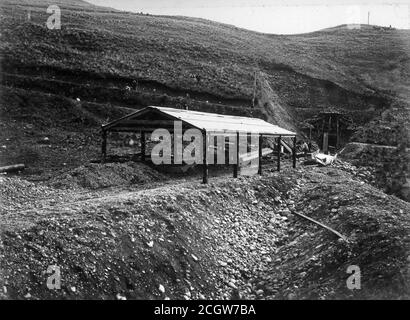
[232, 285]
[120, 297]
[260, 292]
[291, 296]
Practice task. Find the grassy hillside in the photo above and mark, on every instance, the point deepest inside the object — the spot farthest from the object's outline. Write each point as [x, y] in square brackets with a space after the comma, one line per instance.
[170, 49]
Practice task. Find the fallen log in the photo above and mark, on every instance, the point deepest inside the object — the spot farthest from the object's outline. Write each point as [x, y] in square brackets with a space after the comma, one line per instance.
[12, 168]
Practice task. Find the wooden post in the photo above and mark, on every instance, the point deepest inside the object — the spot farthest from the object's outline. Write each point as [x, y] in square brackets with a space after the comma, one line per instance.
[254, 91]
[294, 152]
[13, 168]
[205, 161]
[215, 148]
[323, 125]
[103, 145]
[325, 142]
[337, 133]
[260, 154]
[278, 151]
[330, 124]
[142, 146]
[236, 165]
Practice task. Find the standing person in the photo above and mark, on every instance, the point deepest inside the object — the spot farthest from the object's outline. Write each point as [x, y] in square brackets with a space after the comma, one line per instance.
[305, 148]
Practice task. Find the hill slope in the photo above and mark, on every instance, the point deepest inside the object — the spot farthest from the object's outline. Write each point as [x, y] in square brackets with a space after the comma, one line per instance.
[169, 50]
[124, 229]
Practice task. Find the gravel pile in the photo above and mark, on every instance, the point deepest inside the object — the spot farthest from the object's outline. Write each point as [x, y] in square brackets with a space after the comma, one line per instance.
[362, 173]
[313, 263]
[17, 194]
[97, 176]
[192, 240]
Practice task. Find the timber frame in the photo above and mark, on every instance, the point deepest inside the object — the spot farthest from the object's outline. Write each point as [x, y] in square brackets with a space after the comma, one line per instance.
[149, 119]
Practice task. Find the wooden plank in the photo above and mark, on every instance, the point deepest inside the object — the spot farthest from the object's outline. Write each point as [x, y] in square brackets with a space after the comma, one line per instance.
[13, 168]
[322, 225]
[147, 123]
[254, 154]
[138, 129]
[286, 146]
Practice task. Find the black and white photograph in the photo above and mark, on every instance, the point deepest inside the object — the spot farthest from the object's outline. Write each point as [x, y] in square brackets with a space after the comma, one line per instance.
[206, 156]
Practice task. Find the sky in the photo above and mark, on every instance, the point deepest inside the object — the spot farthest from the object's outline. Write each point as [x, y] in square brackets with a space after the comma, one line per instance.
[277, 16]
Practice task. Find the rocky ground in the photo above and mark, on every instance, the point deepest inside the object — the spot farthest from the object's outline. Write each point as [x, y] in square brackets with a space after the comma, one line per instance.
[233, 238]
[389, 165]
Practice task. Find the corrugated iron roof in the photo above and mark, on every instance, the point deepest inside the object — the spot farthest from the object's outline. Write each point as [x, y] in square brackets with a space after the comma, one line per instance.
[211, 122]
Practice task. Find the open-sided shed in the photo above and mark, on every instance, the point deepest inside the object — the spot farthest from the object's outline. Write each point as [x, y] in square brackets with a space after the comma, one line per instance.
[151, 118]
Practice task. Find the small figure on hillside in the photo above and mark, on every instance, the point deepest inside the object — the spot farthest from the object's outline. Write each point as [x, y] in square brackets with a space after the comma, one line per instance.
[305, 147]
[135, 84]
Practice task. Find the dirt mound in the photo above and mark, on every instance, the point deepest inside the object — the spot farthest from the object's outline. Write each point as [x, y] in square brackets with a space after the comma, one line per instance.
[130, 243]
[391, 128]
[391, 165]
[18, 194]
[249, 245]
[314, 262]
[97, 176]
